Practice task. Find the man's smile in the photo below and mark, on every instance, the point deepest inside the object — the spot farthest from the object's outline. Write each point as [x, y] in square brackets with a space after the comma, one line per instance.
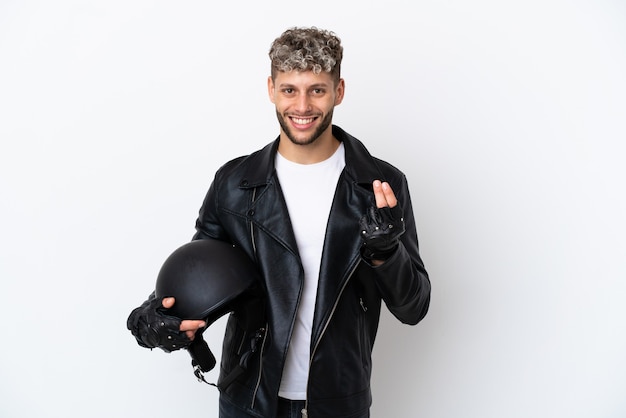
[300, 122]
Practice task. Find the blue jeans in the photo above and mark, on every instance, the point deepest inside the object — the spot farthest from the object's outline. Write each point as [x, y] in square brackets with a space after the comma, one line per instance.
[286, 409]
[289, 409]
[293, 409]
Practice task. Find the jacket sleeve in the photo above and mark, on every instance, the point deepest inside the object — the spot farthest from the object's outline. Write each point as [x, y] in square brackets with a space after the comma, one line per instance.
[402, 280]
[208, 224]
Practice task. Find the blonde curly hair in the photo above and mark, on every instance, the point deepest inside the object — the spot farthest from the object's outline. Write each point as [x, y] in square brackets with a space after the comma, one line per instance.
[307, 49]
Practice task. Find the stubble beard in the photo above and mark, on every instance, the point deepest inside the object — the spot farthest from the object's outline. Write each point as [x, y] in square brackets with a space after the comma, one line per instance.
[314, 136]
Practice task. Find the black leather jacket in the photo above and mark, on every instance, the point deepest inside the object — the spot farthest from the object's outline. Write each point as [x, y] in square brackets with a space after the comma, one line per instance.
[245, 206]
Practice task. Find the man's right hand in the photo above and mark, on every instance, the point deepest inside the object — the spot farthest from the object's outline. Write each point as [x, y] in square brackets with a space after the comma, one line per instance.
[188, 326]
[152, 327]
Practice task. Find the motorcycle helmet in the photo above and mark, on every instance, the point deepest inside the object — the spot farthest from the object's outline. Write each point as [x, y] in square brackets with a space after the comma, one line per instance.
[208, 278]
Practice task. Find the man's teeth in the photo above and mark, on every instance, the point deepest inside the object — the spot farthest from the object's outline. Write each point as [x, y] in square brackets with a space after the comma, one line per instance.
[301, 121]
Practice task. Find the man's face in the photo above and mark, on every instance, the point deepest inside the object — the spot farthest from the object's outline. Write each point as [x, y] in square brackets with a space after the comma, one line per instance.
[304, 103]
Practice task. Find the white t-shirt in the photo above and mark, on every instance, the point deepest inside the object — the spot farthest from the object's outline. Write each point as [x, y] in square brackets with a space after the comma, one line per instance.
[309, 190]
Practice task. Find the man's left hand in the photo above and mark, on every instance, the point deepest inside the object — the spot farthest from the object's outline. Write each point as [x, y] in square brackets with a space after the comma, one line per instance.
[381, 226]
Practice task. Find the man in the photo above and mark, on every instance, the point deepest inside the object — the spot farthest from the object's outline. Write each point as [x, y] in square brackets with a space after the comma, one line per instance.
[331, 229]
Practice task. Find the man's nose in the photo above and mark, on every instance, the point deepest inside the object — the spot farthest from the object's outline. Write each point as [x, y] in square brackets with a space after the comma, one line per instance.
[303, 104]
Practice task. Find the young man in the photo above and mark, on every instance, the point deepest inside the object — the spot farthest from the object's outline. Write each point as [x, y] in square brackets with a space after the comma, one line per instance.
[331, 229]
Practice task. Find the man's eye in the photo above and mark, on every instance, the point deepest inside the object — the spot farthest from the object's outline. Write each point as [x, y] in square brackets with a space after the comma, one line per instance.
[288, 91]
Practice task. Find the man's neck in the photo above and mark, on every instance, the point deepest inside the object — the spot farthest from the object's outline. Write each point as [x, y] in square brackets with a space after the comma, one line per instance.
[320, 150]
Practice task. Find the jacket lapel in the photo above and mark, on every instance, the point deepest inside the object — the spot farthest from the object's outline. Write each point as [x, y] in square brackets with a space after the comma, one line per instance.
[342, 243]
[268, 210]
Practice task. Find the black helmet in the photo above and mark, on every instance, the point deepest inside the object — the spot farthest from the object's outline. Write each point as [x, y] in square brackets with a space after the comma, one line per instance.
[208, 278]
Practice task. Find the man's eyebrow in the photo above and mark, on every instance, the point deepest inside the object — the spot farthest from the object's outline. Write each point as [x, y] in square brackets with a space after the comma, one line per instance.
[312, 86]
[319, 85]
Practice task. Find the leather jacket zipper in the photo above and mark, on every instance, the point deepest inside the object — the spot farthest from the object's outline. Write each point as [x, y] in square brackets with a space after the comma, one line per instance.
[252, 227]
[258, 381]
[332, 312]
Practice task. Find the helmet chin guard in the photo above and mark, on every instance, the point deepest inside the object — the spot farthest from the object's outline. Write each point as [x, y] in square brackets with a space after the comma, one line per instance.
[208, 278]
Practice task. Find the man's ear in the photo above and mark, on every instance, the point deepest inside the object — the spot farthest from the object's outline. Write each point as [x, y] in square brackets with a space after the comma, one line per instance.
[340, 90]
[270, 88]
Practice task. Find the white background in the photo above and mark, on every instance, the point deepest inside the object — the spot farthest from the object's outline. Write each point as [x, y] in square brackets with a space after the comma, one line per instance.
[508, 118]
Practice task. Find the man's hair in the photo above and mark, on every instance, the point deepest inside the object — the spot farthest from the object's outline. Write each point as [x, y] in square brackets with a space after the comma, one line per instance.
[307, 49]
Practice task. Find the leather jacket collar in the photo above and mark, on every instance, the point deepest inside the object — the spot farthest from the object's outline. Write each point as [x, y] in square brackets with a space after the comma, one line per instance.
[359, 164]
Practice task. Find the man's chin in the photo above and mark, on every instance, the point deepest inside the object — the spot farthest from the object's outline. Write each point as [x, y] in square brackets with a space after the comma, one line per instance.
[302, 138]
[301, 141]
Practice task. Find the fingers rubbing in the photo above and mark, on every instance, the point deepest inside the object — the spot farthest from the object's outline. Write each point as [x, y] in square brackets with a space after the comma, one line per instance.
[379, 194]
[390, 196]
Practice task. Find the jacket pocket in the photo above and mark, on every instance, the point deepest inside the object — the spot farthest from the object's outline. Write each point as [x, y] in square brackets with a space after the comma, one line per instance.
[363, 334]
[234, 342]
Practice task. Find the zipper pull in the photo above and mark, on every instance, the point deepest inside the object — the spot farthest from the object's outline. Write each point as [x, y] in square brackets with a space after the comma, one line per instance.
[304, 413]
[258, 336]
[362, 305]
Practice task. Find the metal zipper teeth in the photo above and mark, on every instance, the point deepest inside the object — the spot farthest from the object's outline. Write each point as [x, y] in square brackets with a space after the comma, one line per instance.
[317, 343]
[252, 226]
[258, 382]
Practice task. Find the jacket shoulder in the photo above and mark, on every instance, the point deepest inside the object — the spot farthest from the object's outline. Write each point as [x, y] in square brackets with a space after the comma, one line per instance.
[254, 165]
